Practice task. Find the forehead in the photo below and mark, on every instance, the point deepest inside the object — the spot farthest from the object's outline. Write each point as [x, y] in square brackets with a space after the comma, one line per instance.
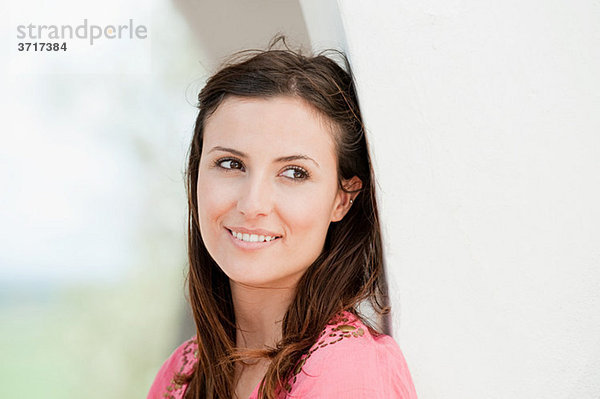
[274, 125]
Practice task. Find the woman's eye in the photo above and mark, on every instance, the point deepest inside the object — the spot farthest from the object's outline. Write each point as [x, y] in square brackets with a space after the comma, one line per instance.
[295, 173]
[229, 164]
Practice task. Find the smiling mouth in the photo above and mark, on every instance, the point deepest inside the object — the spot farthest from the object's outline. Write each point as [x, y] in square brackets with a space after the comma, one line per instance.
[245, 237]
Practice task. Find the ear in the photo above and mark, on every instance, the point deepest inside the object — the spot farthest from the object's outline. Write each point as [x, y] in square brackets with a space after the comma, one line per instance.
[342, 202]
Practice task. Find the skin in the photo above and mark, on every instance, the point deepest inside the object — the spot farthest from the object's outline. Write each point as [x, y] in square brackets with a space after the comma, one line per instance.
[241, 183]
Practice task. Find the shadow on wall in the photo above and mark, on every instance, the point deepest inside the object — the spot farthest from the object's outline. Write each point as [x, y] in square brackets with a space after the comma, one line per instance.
[224, 27]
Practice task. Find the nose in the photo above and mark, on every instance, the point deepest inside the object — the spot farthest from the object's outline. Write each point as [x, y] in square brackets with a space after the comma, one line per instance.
[256, 196]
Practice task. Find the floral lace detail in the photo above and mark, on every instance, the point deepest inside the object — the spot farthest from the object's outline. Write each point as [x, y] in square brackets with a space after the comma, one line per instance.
[189, 357]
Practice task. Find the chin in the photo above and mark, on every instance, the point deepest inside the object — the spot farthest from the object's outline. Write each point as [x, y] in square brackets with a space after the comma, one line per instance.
[261, 281]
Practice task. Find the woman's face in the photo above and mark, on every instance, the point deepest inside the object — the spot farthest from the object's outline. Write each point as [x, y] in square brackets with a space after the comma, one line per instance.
[267, 189]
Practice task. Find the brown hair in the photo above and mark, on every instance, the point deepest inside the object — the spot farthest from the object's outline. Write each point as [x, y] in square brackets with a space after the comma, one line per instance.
[347, 273]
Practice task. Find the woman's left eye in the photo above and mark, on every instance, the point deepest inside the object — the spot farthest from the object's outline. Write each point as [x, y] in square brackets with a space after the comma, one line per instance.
[295, 173]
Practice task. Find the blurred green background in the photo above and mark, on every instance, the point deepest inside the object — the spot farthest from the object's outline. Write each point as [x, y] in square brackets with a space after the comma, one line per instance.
[93, 217]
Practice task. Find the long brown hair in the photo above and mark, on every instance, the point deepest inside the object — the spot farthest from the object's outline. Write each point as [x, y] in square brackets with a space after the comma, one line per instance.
[347, 273]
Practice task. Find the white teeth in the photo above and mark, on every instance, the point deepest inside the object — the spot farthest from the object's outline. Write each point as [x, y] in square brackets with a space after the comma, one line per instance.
[252, 237]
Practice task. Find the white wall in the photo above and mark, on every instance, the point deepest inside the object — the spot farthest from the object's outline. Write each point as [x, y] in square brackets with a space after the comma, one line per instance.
[485, 127]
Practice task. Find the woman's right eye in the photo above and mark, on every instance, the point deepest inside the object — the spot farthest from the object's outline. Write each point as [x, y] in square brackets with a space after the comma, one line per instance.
[229, 163]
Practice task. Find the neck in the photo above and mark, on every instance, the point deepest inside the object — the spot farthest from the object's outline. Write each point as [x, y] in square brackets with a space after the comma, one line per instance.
[259, 313]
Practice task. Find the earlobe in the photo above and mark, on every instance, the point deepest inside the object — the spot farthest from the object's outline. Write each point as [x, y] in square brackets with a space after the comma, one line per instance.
[345, 198]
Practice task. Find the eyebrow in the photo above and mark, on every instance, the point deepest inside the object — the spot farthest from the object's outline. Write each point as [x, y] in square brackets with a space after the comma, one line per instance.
[280, 159]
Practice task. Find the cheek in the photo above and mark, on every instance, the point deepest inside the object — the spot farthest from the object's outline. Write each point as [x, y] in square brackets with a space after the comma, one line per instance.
[212, 201]
[307, 215]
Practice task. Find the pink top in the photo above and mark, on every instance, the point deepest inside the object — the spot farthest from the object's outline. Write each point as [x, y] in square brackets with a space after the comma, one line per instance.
[347, 361]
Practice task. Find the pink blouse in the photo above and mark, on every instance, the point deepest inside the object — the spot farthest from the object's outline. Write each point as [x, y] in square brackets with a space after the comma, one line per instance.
[346, 362]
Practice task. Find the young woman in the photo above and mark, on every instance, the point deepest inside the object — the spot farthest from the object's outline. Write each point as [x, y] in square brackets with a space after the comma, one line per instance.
[284, 241]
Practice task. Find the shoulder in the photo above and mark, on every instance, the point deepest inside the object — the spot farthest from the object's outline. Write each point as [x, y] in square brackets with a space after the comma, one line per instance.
[351, 361]
[181, 361]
